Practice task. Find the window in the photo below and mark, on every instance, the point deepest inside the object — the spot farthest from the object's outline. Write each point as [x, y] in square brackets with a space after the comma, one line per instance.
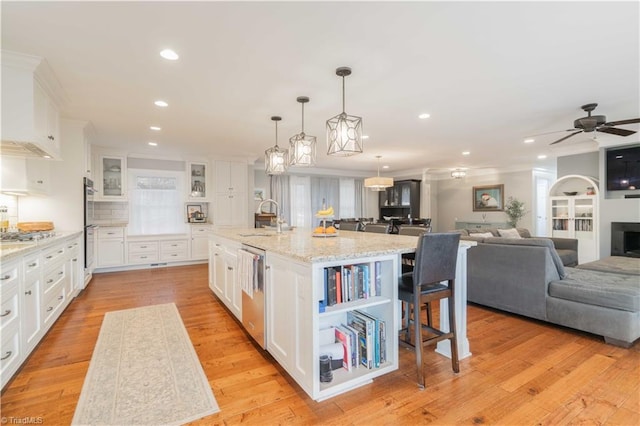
[156, 202]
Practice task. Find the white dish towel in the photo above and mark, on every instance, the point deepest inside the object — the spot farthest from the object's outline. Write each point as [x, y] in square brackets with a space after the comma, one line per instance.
[245, 271]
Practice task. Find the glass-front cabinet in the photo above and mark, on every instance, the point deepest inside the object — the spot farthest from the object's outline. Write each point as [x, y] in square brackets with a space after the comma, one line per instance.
[574, 214]
[112, 177]
[198, 180]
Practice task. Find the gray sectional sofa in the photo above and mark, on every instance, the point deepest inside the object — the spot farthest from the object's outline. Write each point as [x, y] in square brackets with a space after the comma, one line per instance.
[527, 276]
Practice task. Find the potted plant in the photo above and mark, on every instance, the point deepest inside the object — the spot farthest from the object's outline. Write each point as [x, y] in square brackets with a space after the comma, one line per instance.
[514, 208]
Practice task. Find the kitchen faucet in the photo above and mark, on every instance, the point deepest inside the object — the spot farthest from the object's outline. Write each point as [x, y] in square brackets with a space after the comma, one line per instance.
[278, 218]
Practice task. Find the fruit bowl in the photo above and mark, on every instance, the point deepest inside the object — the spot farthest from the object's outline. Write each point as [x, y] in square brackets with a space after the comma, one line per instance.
[570, 194]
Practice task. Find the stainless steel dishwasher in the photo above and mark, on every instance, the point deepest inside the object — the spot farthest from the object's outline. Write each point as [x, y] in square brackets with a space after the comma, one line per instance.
[253, 292]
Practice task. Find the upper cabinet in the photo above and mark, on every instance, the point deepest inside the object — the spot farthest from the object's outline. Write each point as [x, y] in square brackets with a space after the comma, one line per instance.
[31, 97]
[231, 199]
[231, 176]
[198, 181]
[402, 200]
[111, 178]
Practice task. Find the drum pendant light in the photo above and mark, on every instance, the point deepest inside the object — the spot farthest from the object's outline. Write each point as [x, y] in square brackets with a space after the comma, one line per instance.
[302, 147]
[344, 132]
[276, 158]
[378, 183]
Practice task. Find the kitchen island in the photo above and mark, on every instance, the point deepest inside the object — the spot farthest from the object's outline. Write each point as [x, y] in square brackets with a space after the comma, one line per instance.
[296, 318]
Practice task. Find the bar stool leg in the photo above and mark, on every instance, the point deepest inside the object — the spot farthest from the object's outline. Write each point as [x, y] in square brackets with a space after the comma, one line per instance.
[452, 329]
[417, 326]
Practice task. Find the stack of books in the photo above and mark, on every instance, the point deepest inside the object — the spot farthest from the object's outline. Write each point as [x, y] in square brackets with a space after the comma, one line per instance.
[352, 282]
[363, 339]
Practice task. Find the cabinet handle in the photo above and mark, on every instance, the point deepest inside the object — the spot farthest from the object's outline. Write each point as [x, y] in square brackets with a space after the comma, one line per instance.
[61, 273]
[60, 297]
[110, 233]
[267, 267]
[7, 312]
[174, 245]
[50, 280]
[230, 268]
[143, 257]
[49, 257]
[215, 254]
[39, 182]
[50, 308]
[6, 277]
[174, 255]
[51, 138]
[6, 356]
[74, 260]
[27, 293]
[31, 265]
[60, 251]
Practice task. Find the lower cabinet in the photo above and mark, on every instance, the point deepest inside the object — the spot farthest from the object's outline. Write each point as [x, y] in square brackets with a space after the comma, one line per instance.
[289, 310]
[110, 246]
[223, 280]
[34, 290]
[199, 234]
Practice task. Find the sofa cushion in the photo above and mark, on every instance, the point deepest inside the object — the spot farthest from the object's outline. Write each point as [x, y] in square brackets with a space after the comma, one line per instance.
[481, 234]
[524, 232]
[541, 242]
[568, 257]
[509, 233]
[615, 291]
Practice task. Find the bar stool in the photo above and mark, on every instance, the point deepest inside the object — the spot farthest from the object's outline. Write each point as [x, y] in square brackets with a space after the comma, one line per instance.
[435, 261]
[408, 259]
[350, 226]
[378, 228]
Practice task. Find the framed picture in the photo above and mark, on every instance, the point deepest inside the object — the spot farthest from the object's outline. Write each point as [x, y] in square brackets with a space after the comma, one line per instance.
[193, 209]
[258, 194]
[488, 198]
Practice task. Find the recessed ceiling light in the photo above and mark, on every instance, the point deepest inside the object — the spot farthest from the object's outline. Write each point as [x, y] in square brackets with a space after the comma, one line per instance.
[385, 167]
[365, 137]
[169, 54]
[48, 156]
[542, 157]
[156, 128]
[162, 104]
[152, 143]
[466, 152]
[425, 115]
[529, 140]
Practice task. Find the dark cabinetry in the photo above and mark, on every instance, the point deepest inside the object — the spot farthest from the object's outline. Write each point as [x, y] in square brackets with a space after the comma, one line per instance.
[402, 200]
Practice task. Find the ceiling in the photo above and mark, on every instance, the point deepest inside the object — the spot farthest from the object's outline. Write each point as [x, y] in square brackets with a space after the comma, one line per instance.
[490, 75]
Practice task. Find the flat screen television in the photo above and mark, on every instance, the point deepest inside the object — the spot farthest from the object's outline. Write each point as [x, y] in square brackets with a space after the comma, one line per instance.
[623, 168]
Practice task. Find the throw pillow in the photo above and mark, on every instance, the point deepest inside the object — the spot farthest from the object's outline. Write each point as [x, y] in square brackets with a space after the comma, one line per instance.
[481, 234]
[509, 233]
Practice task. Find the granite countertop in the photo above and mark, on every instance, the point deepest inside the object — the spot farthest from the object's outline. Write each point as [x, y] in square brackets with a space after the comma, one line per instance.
[10, 250]
[301, 245]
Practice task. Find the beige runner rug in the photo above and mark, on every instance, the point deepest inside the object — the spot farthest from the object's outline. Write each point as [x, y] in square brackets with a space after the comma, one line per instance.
[144, 371]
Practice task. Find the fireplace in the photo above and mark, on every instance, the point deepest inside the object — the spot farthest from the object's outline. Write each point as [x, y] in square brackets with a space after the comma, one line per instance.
[625, 239]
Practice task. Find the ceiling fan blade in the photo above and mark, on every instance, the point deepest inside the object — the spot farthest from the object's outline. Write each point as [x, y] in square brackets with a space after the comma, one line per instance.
[615, 131]
[566, 137]
[621, 122]
[551, 133]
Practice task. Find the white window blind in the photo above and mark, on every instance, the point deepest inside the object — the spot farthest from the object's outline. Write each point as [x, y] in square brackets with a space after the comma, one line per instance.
[156, 202]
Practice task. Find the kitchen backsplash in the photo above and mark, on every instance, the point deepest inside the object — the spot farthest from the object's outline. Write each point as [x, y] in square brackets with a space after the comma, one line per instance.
[11, 202]
[110, 211]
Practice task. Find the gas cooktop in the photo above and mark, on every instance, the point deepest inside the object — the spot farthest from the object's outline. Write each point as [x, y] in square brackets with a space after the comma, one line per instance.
[26, 236]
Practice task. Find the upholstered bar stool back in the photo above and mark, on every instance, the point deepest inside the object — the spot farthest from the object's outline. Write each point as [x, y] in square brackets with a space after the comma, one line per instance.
[435, 262]
[408, 259]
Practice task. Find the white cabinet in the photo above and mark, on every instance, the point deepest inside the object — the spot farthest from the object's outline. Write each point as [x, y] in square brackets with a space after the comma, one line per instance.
[295, 321]
[11, 348]
[25, 175]
[174, 250]
[110, 246]
[143, 252]
[289, 310]
[576, 216]
[30, 113]
[231, 197]
[224, 260]
[32, 330]
[198, 181]
[199, 235]
[111, 181]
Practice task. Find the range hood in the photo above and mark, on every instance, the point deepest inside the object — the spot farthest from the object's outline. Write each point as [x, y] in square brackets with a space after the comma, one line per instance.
[23, 150]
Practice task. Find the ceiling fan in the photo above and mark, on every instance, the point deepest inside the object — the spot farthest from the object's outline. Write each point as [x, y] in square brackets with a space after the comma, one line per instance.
[597, 123]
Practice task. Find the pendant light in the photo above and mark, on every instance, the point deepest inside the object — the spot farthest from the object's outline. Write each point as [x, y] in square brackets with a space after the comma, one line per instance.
[302, 147]
[458, 174]
[344, 132]
[276, 158]
[378, 183]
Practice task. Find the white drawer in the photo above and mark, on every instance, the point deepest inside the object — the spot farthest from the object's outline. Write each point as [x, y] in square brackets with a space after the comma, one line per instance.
[52, 255]
[143, 257]
[53, 305]
[173, 246]
[10, 356]
[31, 265]
[110, 232]
[9, 306]
[72, 247]
[53, 278]
[143, 247]
[8, 275]
[200, 230]
[173, 256]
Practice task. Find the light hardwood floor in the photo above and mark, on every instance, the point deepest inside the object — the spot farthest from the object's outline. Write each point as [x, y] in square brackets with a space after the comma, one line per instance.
[521, 372]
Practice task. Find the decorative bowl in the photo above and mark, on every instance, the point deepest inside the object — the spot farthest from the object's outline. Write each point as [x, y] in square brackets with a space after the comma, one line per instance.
[570, 193]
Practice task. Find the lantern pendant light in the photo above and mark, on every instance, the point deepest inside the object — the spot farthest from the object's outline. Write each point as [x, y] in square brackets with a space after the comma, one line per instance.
[344, 132]
[302, 147]
[378, 183]
[275, 158]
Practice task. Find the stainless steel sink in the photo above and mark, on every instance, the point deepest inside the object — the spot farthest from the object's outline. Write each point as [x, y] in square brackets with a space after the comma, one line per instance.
[258, 234]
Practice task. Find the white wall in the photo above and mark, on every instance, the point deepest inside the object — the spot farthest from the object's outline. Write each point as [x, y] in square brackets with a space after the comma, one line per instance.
[455, 200]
